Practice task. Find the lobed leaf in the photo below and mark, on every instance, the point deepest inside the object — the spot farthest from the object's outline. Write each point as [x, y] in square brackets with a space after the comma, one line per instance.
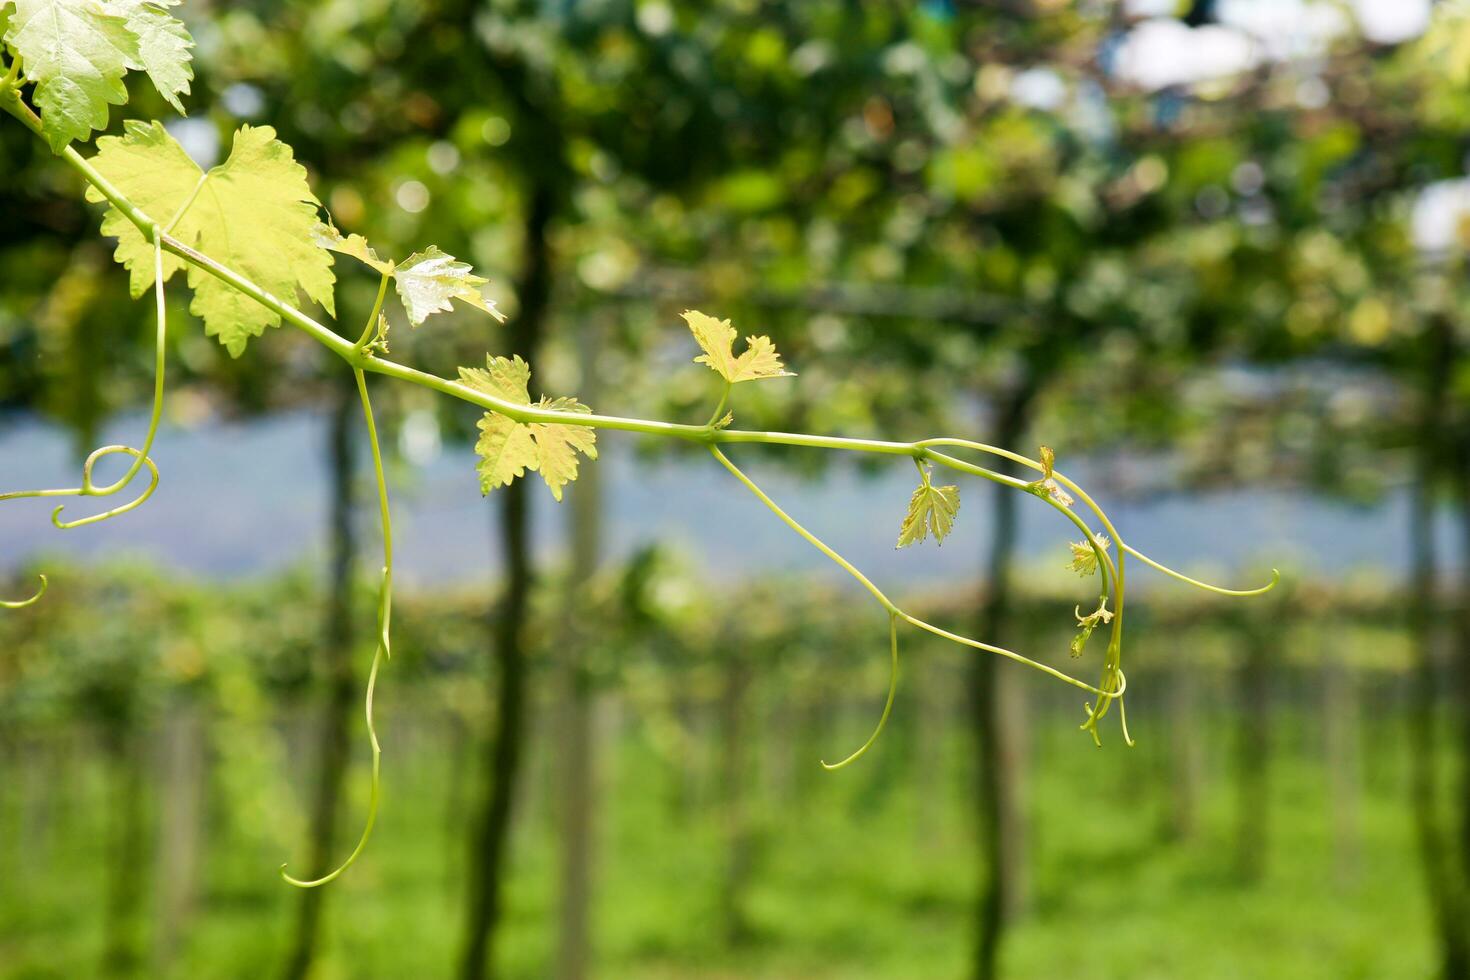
[163, 46]
[76, 53]
[328, 237]
[558, 445]
[717, 339]
[931, 509]
[254, 212]
[508, 448]
[428, 280]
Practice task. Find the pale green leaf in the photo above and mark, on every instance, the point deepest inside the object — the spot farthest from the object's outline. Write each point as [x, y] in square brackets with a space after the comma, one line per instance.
[1084, 556]
[507, 448]
[931, 509]
[506, 451]
[327, 236]
[253, 213]
[152, 170]
[428, 280]
[163, 46]
[717, 339]
[508, 379]
[76, 52]
[558, 445]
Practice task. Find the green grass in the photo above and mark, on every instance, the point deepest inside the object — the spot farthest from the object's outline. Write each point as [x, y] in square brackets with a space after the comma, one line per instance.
[849, 875]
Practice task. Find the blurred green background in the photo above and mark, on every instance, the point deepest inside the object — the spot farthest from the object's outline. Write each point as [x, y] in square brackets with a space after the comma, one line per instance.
[1211, 252]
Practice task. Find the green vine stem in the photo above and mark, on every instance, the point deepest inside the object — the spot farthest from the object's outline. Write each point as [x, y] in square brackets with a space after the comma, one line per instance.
[384, 649]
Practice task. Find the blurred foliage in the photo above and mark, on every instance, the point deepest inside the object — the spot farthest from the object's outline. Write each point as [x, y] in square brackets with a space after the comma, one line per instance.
[123, 655]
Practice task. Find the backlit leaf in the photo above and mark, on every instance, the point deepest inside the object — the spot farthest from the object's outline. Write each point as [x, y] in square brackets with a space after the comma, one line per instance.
[253, 213]
[163, 46]
[931, 509]
[76, 52]
[508, 448]
[558, 445]
[328, 237]
[428, 280]
[717, 339]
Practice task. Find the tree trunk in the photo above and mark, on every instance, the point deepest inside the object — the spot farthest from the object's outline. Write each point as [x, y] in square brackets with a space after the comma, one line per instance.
[179, 830]
[735, 774]
[1001, 825]
[504, 751]
[1444, 893]
[341, 694]
[1253, 753]
[1461, 479]
[1184, 750]
[576, 758]
[1344, 767]
[122, 953]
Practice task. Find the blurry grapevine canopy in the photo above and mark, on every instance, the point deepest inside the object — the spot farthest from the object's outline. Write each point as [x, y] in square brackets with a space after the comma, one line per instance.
[254, 241]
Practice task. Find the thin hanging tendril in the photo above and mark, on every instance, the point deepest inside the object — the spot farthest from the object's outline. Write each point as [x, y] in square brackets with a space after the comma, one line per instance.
[887, 603]
[384, 649]
[887, 705]
[140, 456]
[1216, 589]
[1122, 545]
[1112, 668]
[22, 603]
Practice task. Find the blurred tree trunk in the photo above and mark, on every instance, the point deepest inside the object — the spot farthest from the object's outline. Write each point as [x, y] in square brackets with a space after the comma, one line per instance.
[122, 953]
[1461, 463]
[576, 752]
[734, 772]
[333, 748]
[1439, 869]
[179, 829]
[1184, 749]
[456, 799]
[76, 351]
[504, 751]
[1341, 739]
[1253, 751]
[1001, 823]
[930, 713]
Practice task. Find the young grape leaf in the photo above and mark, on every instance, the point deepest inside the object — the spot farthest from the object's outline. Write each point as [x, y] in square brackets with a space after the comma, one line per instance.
[163, 46]
[254, 213]
[558, 445]
[717, 338]
[508, 448]
[1047, 486]
[76, 52]
[1084, 557]
[428, 280]
[931, 508]
[327, 236]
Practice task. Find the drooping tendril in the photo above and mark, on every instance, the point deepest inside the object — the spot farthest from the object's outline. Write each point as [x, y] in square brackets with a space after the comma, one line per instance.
[1113, 683]
[887, 705]
[384, 649]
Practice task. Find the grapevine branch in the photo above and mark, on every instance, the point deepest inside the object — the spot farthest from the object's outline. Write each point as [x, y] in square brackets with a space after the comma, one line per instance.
[366, 356]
